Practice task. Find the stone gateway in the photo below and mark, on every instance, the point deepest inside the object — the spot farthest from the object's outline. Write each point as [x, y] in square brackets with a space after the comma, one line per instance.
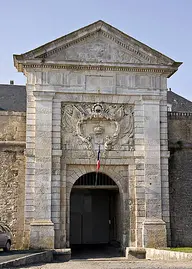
[96, 87]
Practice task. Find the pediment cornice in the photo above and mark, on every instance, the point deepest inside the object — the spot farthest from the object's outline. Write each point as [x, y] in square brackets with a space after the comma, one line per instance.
[43, 67]
[140, 53]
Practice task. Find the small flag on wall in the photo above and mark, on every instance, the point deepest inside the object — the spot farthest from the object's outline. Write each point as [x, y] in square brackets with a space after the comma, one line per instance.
[98, 159]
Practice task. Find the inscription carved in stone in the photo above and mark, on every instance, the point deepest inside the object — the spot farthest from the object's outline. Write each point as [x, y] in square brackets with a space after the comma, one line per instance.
[86, 126]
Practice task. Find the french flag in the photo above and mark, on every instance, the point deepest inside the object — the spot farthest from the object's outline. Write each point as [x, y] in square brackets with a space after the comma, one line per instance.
[98, 159]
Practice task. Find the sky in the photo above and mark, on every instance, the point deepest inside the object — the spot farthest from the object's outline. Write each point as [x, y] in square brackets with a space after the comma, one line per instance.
[164, 25]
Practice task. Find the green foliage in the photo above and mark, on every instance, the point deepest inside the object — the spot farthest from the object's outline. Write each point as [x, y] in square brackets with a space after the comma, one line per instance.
[182, 249]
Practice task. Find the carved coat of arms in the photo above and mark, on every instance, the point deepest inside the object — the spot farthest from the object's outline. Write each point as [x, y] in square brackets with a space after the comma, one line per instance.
[90, 125]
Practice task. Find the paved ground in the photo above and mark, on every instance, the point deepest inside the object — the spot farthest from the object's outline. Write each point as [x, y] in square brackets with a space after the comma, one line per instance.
[14, 254]
[101, 258]
[114, 265]
[94, 251]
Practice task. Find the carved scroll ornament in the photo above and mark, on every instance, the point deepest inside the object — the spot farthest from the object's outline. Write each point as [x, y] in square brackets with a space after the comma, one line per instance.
[105, 124]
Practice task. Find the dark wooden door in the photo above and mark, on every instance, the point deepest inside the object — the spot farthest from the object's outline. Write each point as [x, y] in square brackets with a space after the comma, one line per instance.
[89, 220]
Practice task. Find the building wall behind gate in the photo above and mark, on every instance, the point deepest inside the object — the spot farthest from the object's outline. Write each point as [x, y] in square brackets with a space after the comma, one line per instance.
[180, 177]
[12, 173]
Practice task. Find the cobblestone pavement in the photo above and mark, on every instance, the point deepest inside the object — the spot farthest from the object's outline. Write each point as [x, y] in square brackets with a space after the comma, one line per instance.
[74, 264]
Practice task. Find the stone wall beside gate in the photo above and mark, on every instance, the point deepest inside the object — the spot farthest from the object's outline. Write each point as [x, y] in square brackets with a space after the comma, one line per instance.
[180, 177]
[12, 173]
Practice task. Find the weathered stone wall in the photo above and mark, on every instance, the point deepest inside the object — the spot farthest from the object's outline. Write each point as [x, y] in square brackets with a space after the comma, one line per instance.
[180, 177]
[12, 173]
[52, 148]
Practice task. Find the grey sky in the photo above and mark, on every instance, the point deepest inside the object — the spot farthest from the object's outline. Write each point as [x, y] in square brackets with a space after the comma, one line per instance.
[164, 25]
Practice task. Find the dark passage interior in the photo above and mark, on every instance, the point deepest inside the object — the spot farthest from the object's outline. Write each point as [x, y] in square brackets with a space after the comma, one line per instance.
[94, 213]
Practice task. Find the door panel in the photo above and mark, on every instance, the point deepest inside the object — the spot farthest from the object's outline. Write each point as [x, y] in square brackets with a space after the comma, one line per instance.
[76, 224]
[89, 217]
[76, 218]
[100, 211]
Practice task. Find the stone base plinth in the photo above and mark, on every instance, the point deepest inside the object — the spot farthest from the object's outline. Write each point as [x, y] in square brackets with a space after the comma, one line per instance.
[42, 234]
[62, 255]
[155, 235]
[134, 253]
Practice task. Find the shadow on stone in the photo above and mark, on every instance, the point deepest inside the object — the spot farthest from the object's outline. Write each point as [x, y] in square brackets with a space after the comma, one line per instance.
[100, 251]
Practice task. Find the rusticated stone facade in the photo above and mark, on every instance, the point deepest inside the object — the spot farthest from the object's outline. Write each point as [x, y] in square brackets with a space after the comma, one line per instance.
[96, 87]
[12, 173]
[180, 177]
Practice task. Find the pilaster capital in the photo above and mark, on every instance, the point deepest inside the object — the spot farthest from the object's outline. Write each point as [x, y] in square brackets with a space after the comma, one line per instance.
[41, 222]
[154, 221]
[43, 95]
[151, 99]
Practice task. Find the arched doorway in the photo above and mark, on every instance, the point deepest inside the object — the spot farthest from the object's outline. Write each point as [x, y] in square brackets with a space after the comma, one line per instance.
[95, 210]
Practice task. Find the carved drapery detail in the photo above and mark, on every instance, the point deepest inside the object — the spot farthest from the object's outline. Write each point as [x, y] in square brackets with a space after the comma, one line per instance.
[85, 126]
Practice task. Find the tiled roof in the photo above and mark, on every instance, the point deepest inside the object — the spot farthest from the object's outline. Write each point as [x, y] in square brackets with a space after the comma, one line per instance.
[179, 103]
[12, 97]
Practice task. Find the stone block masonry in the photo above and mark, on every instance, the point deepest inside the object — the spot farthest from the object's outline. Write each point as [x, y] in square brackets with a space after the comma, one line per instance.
[180, 183]
[12, 173]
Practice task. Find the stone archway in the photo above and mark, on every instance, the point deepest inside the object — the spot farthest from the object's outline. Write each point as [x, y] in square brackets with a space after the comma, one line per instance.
[95, 206]
[118, 173]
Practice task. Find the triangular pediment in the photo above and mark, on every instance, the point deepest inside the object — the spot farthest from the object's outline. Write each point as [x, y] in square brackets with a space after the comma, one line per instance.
[97, 49]
[96, 43]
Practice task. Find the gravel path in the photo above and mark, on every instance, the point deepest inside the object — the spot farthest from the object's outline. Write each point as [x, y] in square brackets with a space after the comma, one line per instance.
[114, 265]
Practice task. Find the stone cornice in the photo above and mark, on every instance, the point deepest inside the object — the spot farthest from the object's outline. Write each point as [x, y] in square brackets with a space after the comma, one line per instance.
[179, 115]
[167, 70]
[13, 143]
[12, 113]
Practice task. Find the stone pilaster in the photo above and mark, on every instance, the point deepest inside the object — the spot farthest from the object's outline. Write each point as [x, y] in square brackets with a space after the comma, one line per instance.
[64, 233]
[42, 227]
[139, 172]
[154, 228]
[164, 163]
[56, 171]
